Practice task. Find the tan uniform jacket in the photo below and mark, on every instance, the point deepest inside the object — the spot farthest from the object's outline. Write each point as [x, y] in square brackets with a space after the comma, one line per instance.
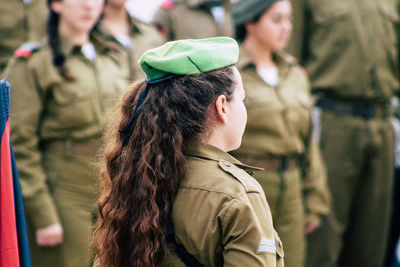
[143, 37]
[20, 21]
[188, 19]
[279, 124]
[45, 107]
[350, 48]
[221, 215]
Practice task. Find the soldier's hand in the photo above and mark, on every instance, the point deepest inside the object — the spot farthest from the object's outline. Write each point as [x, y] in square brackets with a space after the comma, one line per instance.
[50, 236]
[311, 227]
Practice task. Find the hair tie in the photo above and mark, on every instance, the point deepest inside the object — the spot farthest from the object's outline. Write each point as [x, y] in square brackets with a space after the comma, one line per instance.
[138, 107]
[59, 59]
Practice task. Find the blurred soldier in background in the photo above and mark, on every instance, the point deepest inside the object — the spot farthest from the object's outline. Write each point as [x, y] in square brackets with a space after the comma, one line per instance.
[61, 95]
[188, 19]
[20, 21]
[278, 135]
[350, 50]
[135, 37]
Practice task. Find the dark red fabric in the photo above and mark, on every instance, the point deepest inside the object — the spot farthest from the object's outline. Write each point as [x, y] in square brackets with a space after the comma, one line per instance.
[9, 254]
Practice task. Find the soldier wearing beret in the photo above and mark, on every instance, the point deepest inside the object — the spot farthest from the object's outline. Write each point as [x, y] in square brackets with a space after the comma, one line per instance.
[351, 52]
[278, 135]
[60, 99]
[128, 33]
[187, 19]
[172, 196]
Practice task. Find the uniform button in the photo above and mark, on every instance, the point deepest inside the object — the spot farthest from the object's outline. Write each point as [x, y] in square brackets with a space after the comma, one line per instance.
[227, 164]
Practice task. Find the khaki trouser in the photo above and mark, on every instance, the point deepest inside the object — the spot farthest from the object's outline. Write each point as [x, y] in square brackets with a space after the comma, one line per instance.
[283, 193]
[72, 182]
[359, 159]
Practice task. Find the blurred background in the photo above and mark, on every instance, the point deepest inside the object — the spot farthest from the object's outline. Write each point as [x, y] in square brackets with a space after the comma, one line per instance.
[143, 10]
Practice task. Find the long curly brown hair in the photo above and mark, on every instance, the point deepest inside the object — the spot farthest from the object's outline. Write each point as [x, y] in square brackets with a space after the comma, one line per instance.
[140, 181]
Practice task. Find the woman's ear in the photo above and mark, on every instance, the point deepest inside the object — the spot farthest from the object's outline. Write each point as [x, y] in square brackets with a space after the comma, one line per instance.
[249, 27]
[222, 108]
[56, 6]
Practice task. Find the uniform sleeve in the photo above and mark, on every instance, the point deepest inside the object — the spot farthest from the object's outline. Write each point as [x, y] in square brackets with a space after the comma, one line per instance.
[247, 234]
[314, 178]
[315, 190]
[25, 109]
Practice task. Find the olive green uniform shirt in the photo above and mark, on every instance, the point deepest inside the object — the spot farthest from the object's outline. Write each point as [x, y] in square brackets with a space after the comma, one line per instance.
[279, 124]
[189, 19]
[20, 21]
[220, 213]
[44, 107]
[350, 48]
[143, 37]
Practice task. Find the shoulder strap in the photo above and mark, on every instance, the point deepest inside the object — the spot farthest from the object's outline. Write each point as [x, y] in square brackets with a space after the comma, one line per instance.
[248, 182]
[188, 259]
[26, 50]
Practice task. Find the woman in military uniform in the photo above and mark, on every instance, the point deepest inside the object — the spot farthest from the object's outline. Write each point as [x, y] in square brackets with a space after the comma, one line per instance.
[171, 195]
[61, 94]
[128, 33]
[278, 135]
[191, 19]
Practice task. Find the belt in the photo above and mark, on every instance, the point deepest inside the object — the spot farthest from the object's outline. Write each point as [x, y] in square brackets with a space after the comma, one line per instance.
[278, 164]
[358, 109]
[68, 147]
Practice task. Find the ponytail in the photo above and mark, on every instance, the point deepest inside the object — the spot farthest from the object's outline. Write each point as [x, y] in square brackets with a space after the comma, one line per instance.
[140, 181]
[54, 43]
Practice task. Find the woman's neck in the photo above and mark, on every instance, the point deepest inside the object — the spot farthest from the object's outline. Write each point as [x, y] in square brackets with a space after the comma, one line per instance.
[261, 56]
[115, 20]
[76, 37]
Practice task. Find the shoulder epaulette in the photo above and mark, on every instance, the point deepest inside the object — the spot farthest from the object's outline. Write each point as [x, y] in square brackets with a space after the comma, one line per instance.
[168, 4]
[26, 50]
[248, 182]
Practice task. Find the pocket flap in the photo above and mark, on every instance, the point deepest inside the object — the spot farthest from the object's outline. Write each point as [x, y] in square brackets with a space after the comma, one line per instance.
[68, 93]
[326, 13]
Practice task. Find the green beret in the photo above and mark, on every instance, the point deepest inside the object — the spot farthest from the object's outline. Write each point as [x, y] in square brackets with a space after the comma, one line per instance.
[190, 56]
[244, 11]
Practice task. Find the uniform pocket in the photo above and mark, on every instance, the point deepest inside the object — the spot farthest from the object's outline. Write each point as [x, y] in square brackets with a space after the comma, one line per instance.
[327, 12]
[11, 19]
[390, 31]
[332, 28]
[299, 114]
[73, 105]
[390, 22]
[8, 18]
[67, 95]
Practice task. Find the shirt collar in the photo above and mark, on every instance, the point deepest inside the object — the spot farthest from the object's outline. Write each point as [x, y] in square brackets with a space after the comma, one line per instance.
[67, 47]
[206, 151]
[283, 61]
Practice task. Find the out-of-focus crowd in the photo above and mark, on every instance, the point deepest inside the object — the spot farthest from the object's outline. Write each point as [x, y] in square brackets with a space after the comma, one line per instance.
[322, 80]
